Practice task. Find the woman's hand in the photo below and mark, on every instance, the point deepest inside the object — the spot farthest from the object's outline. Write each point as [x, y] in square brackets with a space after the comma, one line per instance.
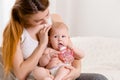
[74, 70]
[72, 74]
[43, 35]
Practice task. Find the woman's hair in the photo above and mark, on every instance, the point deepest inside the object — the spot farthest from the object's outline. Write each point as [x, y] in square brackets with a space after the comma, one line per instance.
[14, 28]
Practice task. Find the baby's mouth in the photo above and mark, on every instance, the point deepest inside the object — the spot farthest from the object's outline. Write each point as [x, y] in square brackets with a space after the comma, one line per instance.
[60, 45]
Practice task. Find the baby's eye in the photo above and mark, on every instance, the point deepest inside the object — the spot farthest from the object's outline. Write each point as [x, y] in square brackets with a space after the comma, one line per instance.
[63, 36]
[55, 36]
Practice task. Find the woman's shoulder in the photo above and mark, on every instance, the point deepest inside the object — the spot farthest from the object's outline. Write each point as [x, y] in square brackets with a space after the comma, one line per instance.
[24, 35]
[56, 18]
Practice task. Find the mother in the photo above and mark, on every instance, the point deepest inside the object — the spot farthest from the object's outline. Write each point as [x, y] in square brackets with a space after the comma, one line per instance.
[25, 39]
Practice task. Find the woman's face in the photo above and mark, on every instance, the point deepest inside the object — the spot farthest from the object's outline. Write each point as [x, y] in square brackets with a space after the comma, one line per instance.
[38, 18]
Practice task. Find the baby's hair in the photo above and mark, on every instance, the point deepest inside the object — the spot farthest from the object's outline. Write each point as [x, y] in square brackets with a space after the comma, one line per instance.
[57, 25]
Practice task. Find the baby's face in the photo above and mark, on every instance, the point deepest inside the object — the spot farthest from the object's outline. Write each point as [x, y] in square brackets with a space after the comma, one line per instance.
[59, 37]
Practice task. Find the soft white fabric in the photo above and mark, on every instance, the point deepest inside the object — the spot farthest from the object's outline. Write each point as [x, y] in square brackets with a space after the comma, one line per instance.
[28, 44]
[55, 69]
[102, 55]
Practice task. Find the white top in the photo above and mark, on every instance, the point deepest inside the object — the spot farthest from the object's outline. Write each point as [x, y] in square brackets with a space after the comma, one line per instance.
[28, 44]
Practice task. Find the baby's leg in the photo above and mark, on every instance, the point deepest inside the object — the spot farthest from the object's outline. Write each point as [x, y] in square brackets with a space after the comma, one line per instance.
[40, 73]
[61, 73]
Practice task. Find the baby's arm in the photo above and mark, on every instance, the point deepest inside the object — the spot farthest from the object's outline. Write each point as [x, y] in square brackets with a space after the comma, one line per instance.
[78, 54]
[45, 58]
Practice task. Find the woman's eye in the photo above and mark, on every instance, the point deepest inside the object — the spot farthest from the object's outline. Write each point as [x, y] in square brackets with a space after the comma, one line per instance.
[38, 21]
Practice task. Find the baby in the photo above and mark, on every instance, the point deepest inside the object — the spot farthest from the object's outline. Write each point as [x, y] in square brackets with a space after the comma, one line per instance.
[60, 52]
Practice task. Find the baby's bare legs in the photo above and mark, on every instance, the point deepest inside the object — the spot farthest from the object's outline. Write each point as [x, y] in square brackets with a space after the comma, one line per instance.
[40, 73]
[61, 73]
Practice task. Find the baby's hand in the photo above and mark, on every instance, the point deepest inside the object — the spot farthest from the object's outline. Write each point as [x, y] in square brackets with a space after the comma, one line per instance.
[70, 45]
[53, 52]
[69, 59]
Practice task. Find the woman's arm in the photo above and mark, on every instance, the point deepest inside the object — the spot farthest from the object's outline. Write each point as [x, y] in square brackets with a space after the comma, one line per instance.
[75, 70]
[77, 65]
[21, 67]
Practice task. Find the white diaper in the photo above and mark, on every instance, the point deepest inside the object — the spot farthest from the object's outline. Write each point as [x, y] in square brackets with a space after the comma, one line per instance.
[54, 70]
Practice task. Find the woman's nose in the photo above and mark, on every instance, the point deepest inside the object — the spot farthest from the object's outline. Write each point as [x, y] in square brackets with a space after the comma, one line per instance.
[45, 21]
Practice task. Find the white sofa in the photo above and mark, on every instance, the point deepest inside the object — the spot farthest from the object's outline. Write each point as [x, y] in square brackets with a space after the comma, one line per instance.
[102, 55]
